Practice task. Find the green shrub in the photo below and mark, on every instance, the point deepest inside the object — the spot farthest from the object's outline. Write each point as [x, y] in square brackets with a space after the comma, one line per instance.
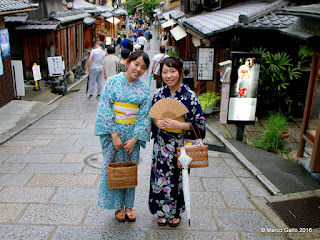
[208, 99]
[271, 140]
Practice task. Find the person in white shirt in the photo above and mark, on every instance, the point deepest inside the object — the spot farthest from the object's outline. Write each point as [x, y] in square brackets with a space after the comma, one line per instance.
[142, 41]
[95, 69]
[156, 65]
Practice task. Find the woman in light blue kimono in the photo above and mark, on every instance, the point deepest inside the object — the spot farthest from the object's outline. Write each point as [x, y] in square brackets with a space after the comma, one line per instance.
[123, 124]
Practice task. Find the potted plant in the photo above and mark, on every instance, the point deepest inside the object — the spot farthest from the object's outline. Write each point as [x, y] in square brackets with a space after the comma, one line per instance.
[208, 100]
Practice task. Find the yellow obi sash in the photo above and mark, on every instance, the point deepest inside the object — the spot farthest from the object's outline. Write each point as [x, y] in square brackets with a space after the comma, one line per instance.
[175, 130]
[126, 112]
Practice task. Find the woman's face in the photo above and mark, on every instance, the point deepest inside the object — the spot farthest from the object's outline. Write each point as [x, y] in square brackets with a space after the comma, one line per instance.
[136, 68]
[170, 76]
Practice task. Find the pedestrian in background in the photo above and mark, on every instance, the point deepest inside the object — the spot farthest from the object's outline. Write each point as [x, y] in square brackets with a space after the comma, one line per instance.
[126, 133]
[110, 63]
[125, 41]
[166, 198]
[156, 65]
[95, 69]
[141, 41]
[122, 65]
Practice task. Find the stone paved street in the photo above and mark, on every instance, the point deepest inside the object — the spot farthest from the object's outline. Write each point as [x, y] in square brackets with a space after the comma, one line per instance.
[49, 180]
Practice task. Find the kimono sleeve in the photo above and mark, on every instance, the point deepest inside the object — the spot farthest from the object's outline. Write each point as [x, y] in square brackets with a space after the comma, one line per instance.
[106, 118]
[195, 117]
[142, 128]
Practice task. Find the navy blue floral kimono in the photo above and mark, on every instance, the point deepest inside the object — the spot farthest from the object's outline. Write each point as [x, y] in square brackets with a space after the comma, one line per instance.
[166, 195]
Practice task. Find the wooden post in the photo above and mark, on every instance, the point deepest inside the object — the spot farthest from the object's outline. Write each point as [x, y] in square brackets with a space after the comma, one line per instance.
[315, 156]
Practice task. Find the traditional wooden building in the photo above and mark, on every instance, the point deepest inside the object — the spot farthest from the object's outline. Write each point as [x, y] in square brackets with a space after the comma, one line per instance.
[7, 83]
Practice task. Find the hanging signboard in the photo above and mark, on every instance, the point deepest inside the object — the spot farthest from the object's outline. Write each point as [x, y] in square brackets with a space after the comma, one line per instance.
[56, 66]
[244, 87]
[4, 43]
[205, 63]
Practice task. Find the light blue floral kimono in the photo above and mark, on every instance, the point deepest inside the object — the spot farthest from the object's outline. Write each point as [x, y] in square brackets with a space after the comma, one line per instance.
[118, 89]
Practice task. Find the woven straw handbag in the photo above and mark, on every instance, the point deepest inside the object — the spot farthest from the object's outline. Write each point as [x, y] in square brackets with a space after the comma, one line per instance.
[197, 151]
[122, 174]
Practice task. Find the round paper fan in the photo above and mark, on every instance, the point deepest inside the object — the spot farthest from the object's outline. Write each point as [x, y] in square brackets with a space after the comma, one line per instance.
[168, 108]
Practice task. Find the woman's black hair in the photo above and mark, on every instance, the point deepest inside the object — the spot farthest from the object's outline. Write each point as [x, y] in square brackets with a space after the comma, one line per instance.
[125, 53]
[134, 55]
[172, 62]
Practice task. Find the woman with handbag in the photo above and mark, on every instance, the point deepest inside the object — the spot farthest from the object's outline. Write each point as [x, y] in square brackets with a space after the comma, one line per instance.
[166, 195]
[123, 125]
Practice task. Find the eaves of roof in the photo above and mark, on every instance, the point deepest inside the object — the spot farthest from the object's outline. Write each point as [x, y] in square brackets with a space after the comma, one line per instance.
[207, 24]
[37, 25]
[73, 16]
[12, 6]
[16, 18]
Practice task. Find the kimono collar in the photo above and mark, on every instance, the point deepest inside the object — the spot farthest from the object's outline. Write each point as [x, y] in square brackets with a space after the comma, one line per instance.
[177, 93]
[123, 77]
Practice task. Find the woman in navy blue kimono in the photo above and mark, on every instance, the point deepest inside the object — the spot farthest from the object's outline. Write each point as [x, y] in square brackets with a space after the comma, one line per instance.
[166, 195]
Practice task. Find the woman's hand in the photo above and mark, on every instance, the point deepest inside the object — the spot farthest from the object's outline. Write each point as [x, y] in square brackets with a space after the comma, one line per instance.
[172, 124]
[159, 123]
[129, 145]
[117, 143]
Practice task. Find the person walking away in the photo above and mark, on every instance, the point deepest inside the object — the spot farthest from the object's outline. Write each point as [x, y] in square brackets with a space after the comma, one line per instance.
[164, 42]
[125, 41]
[166, 199]
[126, 133]
[156, 65]
[141, 41]
[110, 63]
[122, 65]
[148, 36]
[102, 38]
[95, 69]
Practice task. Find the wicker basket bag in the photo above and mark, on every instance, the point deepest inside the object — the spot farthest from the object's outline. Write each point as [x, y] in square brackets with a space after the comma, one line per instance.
[122, 174]
[197, 151]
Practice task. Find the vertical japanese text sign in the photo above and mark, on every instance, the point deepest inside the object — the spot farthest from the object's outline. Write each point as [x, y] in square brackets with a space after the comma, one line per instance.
[205, 61]
[56, 66]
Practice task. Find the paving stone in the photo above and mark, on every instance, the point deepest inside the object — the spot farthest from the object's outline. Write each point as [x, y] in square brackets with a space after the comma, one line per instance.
[21, 137]
[195, 184]
[213, 172]
[253, 236]
[141, 197]
[183, 235]
[242, 173]
[213, 154]
[234, 164]
[3, 157]
[33, 131]
[30, 143]
[88, 169]
[9, 212]
[241, 220]
[103, 217]
[35, 158]
[91, 149]
[14, 150]
[26, 194]
[71, 233]
[74, 157]
[53, 214]
[64, 142]
[237, 200]
[53, 168]
[73, 131]
[19, 179]
[14, 232]
[52, 136]
[64, 180]
[68, 195]
[222, 184]
[144, 169]
[255, 187]
[217, 162]
[11, 167]
[197, 220]
[56, 149]
[143, 182]
[206, 200]
[88, 142]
